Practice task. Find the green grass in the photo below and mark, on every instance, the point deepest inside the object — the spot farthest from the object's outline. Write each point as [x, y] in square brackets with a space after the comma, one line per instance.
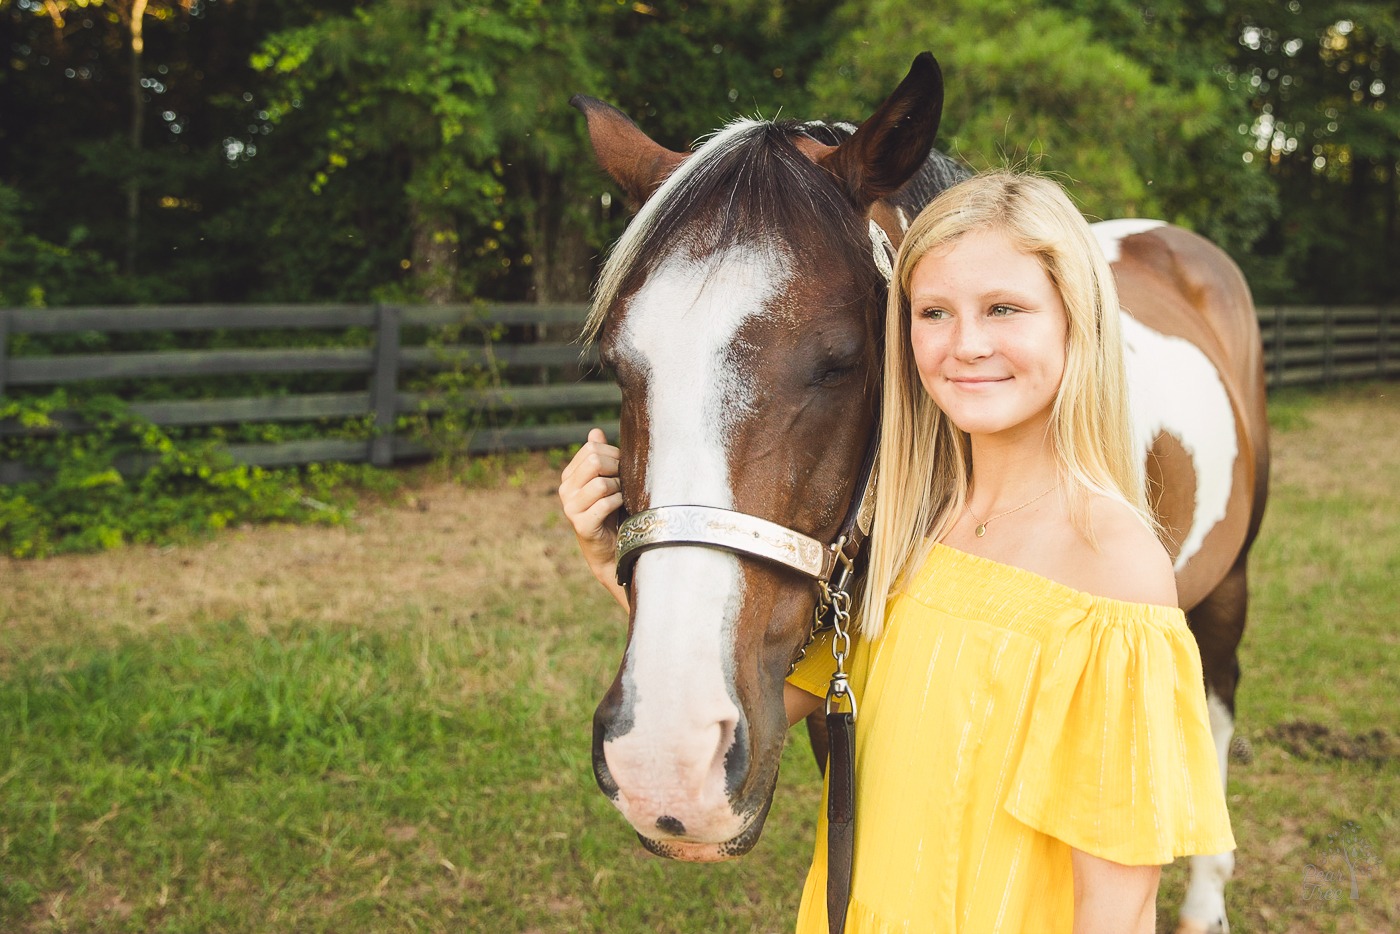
[1322, 647]
[427, 776]
[332, 779]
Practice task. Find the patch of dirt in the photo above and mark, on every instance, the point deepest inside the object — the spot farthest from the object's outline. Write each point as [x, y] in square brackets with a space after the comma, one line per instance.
[432, 554]
[1353, 426]
[1308, 740]
[401, 833]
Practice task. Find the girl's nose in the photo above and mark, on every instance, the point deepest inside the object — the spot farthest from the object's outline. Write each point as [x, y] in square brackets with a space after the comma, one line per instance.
[972, 342]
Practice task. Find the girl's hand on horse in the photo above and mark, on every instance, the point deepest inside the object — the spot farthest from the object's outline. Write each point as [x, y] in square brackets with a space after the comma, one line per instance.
[591, 492]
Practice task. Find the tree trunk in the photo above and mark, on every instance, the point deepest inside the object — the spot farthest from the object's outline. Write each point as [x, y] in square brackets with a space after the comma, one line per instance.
[561, 268]
[434, 256]
[1389, 232]
[138, 119]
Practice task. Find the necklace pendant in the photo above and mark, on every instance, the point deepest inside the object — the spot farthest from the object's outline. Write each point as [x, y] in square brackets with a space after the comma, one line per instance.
[981, 530]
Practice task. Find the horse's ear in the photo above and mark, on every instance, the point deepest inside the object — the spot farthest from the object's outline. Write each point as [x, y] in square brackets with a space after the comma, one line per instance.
[633, 159]
[891, 146]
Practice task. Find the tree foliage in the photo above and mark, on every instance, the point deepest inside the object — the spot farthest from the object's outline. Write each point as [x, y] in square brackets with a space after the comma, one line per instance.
[1046, 87]
[424, 149]
[1324, 127]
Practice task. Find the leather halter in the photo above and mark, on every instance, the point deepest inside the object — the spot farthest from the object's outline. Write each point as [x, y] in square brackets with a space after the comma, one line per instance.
[751, 536]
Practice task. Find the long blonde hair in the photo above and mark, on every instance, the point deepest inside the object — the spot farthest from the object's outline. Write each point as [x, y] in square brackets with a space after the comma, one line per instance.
[924, 459]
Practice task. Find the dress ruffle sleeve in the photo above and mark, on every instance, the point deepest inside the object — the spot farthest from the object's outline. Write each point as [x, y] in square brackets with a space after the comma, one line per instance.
[813, 672]
[1118, 760]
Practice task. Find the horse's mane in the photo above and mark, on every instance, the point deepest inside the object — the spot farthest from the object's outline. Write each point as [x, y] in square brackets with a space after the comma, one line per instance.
[744, 184]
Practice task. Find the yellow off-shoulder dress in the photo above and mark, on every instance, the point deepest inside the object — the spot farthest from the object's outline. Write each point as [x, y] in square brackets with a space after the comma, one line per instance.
[1004, 719]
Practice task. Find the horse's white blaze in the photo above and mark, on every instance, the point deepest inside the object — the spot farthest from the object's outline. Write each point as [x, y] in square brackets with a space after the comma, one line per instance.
[1173, 387]
[678, 678]
[1204, 906]
[1111, 233]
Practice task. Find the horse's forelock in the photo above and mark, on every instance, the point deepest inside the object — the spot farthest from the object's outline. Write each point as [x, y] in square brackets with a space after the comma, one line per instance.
[748, 184]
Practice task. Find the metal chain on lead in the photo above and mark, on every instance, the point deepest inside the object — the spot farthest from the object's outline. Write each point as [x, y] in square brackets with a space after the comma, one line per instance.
[836, 600]
[839, 601]
[824, 593]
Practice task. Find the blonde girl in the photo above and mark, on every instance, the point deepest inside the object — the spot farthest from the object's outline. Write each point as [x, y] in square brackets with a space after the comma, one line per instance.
[1032, 743]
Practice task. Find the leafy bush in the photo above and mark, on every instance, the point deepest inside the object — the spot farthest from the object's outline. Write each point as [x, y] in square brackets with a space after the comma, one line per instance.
[35, 272]
[98, 476]
[454, 395]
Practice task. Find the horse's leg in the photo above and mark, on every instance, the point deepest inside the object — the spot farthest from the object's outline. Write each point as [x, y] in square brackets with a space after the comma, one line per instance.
[816, 732]
[1217, 623]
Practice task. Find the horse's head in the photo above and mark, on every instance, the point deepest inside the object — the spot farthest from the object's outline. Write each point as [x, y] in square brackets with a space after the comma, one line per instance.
[741, 313]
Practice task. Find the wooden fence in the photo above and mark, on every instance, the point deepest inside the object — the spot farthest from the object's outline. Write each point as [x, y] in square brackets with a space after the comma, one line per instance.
[1305, 345]
[543, 367]
[545, 370]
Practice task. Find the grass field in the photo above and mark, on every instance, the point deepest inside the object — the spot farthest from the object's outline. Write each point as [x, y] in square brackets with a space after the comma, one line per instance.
[386, 727]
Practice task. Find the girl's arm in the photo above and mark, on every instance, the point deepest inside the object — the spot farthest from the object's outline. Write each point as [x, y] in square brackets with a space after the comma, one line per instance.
[1110, 898]
[798, 703]
[592, 495]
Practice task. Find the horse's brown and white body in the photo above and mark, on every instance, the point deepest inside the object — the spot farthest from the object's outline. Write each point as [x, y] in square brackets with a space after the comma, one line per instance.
[741, 313]
[1196, 378]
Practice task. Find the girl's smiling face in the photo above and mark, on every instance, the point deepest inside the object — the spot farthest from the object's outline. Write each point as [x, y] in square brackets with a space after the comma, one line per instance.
[988, 331]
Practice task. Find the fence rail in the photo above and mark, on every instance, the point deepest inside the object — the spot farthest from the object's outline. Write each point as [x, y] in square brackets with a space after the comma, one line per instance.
[1305, 345]
[545, 372]
[545, 368]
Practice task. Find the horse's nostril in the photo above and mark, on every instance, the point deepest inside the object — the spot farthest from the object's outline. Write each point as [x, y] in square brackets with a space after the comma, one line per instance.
[668, 824]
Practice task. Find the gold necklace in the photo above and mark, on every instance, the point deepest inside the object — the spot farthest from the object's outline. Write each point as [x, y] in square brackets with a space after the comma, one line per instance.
[982, 524]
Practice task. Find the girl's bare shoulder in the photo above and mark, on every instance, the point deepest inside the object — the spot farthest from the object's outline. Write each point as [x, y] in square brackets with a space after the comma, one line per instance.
[1129, 563]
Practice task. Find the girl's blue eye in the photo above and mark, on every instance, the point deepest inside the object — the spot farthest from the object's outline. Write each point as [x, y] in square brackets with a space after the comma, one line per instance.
[933, 313]
[1002, 310]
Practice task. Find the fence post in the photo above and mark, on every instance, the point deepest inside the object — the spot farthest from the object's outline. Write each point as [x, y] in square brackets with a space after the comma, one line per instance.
[4, 348]
[385, 387]
[1278, 345]
[1328, 345]
[1382, 340]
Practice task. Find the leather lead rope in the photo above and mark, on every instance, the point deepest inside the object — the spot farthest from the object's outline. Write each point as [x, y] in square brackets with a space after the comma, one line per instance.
[840, 816]
[840, 764]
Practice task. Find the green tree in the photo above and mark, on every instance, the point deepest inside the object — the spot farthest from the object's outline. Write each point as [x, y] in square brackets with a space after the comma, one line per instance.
[434, 89]
[1041, 86]
[1322, 82]
[65, 143]
[469, 100]
[130, 16]
[328, 149]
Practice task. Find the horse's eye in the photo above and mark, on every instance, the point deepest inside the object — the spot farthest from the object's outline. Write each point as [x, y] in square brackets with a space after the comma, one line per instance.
[607, 359]
[833, 374]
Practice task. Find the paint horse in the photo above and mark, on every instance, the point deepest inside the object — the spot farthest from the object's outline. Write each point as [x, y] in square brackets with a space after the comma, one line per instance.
[742, 312]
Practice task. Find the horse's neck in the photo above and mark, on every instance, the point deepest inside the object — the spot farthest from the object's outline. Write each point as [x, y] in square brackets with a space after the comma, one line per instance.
[939, 172]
